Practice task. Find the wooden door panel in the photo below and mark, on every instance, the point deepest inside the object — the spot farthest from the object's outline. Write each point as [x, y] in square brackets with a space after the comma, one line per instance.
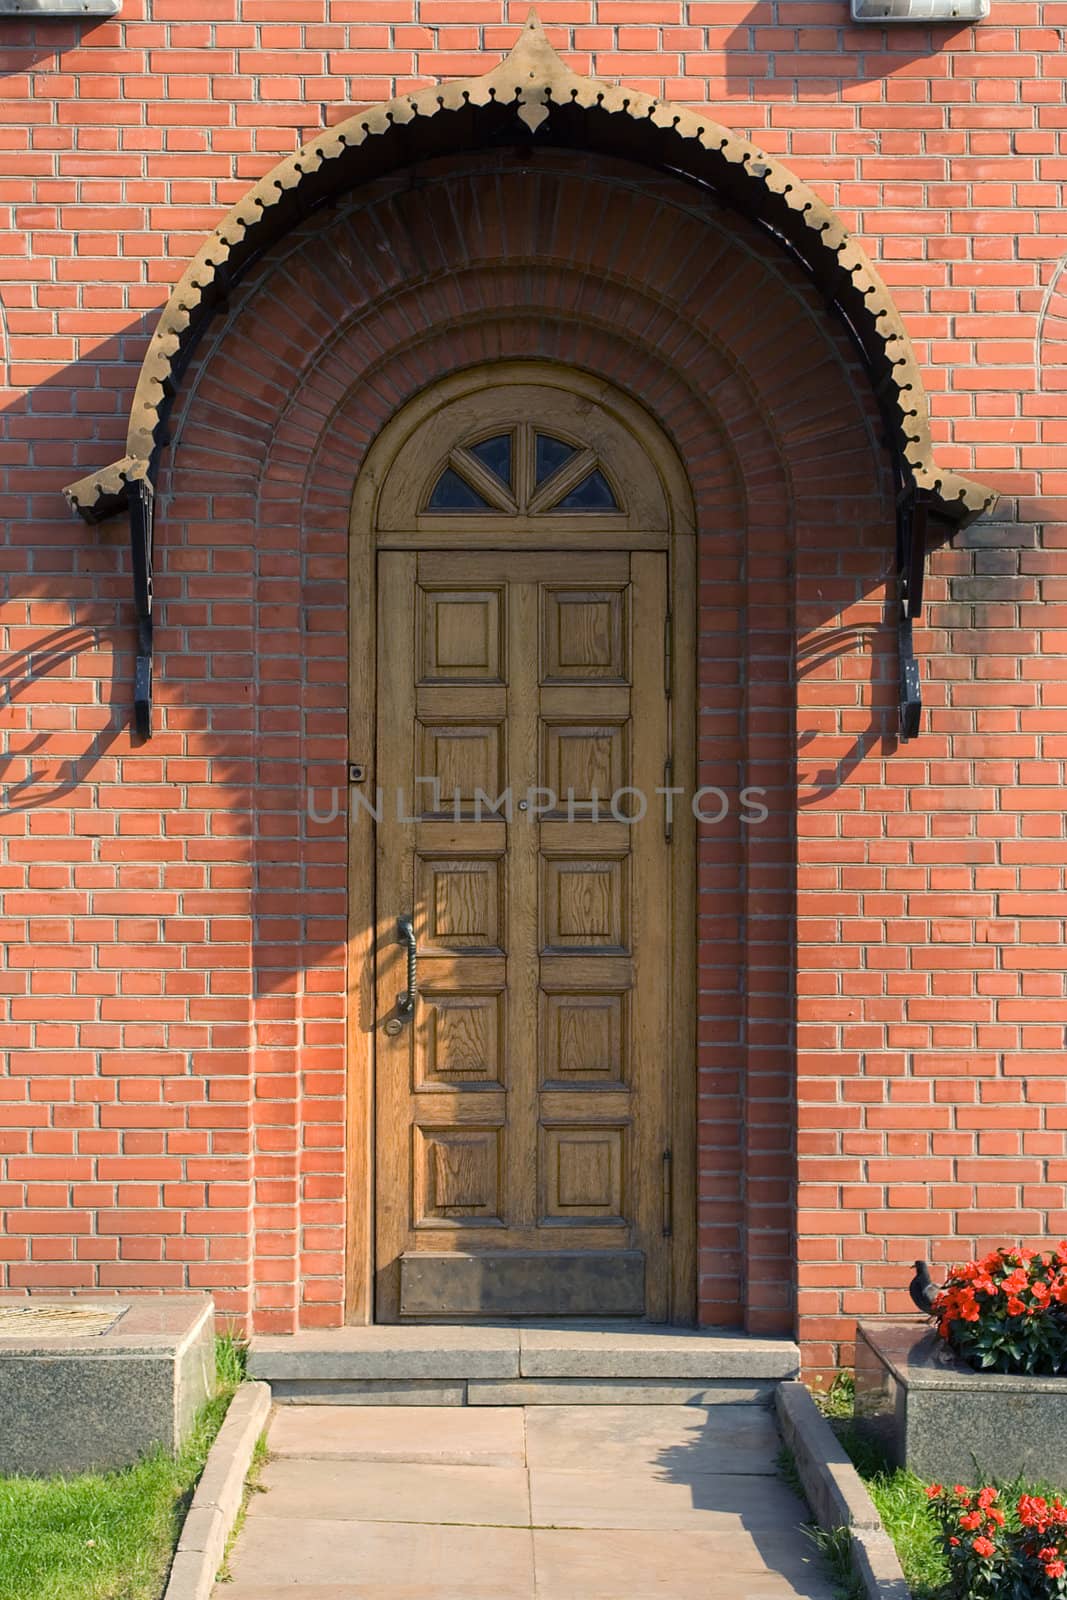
[485, 569]
[522, 1114]
[462, 1041]
[584, 1167]
[462, 901]
[460, 635]
[458, 1176]
[583, 1039]
[585, 903]
[585, 634]
[584, 762]
[467, 759]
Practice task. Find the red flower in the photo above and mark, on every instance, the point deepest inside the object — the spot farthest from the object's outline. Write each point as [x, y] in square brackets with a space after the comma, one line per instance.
[933, 1491]
[1028, 1286]
[971, 1520]
[984, 1547]
[1056, 1569]
[1033, 1511]
[986, 1497]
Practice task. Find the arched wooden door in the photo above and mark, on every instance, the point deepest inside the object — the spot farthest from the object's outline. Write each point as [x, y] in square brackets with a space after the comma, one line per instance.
[527, 1080]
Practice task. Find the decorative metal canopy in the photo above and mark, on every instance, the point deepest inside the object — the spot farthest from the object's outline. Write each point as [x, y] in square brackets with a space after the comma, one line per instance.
[531, 95]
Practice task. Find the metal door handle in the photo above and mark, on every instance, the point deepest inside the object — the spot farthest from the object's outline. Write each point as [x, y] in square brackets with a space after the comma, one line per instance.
[405, 1002]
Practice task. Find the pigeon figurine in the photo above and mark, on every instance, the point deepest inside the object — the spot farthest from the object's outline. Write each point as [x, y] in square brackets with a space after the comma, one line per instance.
[923, 1289]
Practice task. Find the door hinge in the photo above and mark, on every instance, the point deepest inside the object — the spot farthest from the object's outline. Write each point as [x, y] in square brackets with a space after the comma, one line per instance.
[668, 800]
[668, 653]
[668, 1193]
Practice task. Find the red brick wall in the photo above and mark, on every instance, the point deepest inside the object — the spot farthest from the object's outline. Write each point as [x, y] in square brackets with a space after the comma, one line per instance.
[172, 993]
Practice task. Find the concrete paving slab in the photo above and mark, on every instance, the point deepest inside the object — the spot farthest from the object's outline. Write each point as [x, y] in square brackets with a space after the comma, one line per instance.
[462, 1435]
[748, 1507]
[645, 1566]
[655, 1502]
[385, 1559]
[673, 1441]
[394, 1491]
[649, 1353]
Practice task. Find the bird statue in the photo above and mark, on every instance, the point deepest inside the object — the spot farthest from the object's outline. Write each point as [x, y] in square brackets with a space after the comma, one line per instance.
[923, 1289]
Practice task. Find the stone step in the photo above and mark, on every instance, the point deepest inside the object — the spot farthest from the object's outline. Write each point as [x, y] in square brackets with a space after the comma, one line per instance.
[522, 1365]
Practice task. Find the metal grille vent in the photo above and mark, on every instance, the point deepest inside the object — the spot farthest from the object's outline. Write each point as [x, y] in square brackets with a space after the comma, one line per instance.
[69, 1321]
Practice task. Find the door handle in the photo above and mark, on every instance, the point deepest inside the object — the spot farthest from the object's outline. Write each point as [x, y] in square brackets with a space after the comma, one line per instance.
[405, 1002]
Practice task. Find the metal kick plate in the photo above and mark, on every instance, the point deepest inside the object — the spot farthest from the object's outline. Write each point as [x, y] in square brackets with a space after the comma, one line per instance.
[57, 1321]
[519, 1283]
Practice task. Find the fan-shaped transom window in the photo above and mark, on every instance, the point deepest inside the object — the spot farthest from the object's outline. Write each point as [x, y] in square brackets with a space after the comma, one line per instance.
[522, 455]
[523, 471]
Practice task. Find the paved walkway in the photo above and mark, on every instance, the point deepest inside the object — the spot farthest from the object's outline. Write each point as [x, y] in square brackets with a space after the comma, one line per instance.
[524, 1503]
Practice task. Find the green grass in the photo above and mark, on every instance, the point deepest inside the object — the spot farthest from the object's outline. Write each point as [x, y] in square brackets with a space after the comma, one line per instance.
[835, 1547]
[900, 1499]
[111, 1535]
[231, 1361]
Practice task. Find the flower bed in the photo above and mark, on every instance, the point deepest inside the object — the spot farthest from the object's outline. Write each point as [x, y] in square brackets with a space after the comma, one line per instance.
[994, 1555]
[1008, 1312]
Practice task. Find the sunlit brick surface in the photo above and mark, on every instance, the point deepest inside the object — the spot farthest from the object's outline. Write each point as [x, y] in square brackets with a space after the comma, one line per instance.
[172, 998]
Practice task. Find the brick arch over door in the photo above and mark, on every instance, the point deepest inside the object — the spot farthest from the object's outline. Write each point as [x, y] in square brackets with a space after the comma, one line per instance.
[590, 264]
[532, 97]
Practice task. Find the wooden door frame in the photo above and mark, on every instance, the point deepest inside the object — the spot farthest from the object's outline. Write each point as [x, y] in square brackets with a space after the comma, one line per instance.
[679, 540]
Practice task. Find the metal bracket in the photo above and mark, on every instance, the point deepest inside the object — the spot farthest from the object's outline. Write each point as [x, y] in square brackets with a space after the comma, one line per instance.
[912, 520]
[142, 499]
[66, 9]
[953, 12]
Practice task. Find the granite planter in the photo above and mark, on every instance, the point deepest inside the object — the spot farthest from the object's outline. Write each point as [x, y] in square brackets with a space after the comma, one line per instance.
[80, 1401]
[949, 1423]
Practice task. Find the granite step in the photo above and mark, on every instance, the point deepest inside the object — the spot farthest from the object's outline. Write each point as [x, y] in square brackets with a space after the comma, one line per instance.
[522, 1365]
